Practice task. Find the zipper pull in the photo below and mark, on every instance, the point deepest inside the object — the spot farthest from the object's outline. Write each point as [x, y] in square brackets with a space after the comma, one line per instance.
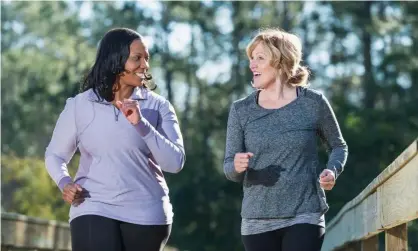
[116, 113]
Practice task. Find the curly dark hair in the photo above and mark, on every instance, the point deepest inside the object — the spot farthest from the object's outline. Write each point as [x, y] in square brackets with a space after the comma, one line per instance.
[113, 51]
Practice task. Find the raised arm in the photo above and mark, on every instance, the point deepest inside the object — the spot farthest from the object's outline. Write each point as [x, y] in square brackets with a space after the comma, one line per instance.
[330, 132]
[234, 145]
[165, 142]
[62, 146]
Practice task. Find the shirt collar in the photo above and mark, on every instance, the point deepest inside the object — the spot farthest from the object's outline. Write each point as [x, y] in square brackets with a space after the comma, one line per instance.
[139, 93]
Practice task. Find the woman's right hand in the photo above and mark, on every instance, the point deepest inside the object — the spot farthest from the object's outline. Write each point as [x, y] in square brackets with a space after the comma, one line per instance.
[73, 194]
[241, 161]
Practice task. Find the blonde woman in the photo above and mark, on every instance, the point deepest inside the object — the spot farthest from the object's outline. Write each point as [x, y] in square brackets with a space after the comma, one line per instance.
[271, 147]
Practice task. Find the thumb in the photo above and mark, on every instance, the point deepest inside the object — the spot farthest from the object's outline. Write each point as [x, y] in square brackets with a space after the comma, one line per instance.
[119, 104]
[250, 154]
[324, 173]
[78, 187]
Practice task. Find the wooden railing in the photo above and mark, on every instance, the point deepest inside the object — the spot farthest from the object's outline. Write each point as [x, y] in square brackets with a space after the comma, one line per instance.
[20, 232]
[386, 205]
[23, 233]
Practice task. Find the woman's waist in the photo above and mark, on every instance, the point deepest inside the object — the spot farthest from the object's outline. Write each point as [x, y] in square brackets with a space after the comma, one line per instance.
[132, 201]
[292, 163]
[277, 192]
[274, 177]
[140, 211]
[285, 197]
[106, 190]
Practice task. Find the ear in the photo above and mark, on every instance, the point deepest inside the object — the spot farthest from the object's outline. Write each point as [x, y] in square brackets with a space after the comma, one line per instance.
[279, 73]
[275, 63]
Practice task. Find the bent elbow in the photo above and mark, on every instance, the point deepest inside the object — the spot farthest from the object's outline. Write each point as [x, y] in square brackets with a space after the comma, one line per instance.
[178, 164]
[181, 162]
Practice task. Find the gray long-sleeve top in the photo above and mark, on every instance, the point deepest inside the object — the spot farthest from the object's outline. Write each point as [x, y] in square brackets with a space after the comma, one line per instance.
[283, 175]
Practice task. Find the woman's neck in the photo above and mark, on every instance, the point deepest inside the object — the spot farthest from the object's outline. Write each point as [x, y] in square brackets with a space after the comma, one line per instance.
[278, 90]
[123, 92]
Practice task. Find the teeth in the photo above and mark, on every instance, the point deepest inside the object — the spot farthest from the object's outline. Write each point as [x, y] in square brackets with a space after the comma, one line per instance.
[141, 75]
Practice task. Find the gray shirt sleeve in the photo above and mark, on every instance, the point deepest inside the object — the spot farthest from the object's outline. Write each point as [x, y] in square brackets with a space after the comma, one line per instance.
[330, 133]
[234, 144]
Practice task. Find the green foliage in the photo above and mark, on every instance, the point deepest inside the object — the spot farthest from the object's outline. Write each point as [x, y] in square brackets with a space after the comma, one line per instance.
[362, 55]
[44, 65]
[28, 189]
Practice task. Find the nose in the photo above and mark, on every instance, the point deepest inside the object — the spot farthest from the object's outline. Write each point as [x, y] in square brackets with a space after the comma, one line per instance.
[144, 64]
[253, 65]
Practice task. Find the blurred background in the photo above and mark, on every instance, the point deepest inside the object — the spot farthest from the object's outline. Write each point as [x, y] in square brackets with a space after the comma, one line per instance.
[363, 56]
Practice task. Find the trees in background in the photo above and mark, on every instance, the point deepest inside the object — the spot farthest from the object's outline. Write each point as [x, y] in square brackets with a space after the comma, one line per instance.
[362, 55]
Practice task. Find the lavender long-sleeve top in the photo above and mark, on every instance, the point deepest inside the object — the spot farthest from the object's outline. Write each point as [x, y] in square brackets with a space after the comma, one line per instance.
[121, 166]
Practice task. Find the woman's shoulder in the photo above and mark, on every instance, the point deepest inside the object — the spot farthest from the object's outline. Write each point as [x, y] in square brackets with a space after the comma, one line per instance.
[246, 101]
[311, 93]
[72, 100]
[84, 95]
[156, 100]
[154, 96]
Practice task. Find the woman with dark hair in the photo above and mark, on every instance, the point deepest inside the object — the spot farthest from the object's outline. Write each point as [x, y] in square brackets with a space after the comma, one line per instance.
[127, 136]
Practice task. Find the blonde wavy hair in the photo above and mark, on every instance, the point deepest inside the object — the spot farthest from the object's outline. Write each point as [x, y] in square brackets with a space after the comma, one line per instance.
[285, 50]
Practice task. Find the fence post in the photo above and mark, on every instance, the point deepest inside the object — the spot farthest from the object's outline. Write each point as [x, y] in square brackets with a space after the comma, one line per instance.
[370, 244]
[396, 239]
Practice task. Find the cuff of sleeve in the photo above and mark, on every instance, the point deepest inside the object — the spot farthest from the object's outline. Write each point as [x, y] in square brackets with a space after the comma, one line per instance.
[334, 170]
[232, 174]
[143, 127]
[64, 181]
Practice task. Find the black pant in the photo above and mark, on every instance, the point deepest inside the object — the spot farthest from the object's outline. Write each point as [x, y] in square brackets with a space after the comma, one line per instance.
[97, 233]
[299, 237]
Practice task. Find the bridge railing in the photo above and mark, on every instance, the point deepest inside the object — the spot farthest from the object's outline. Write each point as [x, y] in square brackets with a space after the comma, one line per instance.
[23, 233]
[386, 205]
[20, 232]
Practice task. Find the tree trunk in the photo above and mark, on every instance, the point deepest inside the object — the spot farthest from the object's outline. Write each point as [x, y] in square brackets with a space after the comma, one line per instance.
[370, 89]
[166, 57]
[236, 78]
[189, 79]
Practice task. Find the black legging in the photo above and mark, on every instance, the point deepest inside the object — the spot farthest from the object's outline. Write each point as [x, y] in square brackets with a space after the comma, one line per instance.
[94, 233]
[299, 237]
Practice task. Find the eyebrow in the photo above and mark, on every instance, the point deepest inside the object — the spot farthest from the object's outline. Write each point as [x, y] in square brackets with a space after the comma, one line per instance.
[139, 53]
[258, 54]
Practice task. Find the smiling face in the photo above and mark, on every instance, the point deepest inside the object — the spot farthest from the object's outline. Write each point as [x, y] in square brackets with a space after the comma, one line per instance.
[276, 55]
[136, 65]
[264, 74]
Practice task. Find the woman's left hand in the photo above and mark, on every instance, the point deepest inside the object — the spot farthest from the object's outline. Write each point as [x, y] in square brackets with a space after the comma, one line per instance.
[130, 108]
[327, 179]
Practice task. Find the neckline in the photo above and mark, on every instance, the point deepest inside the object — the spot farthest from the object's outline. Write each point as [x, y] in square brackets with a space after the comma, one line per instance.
[258, 106]
[139, 93]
